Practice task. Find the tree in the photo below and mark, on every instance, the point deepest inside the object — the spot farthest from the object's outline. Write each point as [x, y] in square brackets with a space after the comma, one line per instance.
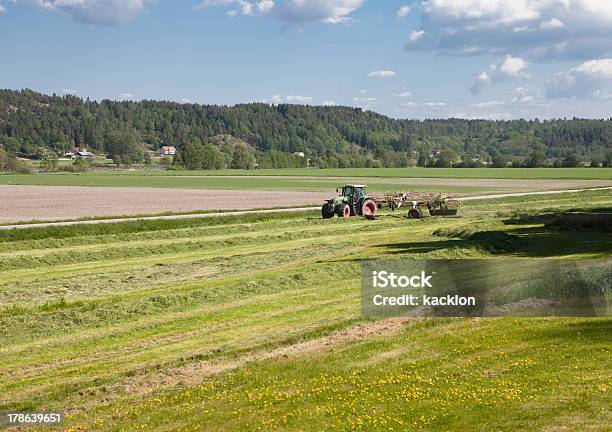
[423, 160]
[608, 159]
[213, 159]
[49, 162]
[446, 158]
[537, 158]
[242, 158]
[331, 136]
[196, 155]
[7, 162]
[499, 161]
[81, 164]
[124, 147]
[10, 164]
[571, 161]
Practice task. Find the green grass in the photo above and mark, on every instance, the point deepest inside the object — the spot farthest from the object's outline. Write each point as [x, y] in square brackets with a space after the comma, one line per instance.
[218, 182]
[470, 173]
[253, 322]
[502, 375]
[379, 180]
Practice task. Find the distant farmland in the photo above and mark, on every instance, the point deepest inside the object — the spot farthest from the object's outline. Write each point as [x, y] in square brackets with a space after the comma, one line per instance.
[470, 173]
[64, 196]
[464, 181]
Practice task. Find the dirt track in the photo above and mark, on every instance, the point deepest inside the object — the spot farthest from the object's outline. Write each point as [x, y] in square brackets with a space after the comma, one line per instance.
[49, 203]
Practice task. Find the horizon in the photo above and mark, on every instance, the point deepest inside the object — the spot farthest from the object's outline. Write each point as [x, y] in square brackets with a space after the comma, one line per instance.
[504, 61]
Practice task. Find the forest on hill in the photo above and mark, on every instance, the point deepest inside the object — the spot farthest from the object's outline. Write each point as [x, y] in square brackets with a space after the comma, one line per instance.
[243, 136]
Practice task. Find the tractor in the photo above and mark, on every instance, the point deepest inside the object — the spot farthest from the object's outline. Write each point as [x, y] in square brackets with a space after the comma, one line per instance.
[353, 201]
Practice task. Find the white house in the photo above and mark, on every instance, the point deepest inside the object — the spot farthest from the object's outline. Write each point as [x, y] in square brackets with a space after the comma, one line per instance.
[78, 152]
[168, 150]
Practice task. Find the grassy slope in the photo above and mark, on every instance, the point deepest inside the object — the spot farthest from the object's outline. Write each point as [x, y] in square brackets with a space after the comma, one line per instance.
[96, 315]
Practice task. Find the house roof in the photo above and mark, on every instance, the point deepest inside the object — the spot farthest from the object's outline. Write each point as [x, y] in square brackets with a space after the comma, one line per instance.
[168, 148]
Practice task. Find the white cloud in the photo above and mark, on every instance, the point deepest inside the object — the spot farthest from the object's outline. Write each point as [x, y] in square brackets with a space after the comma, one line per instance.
[362, 91]
[2, 9]
[435, 104]
[551, 24]
[405, 94]
[265, 6]
[382, 74]
[69, 91]
[526, 94]
[243, 7]
[300, 100]
[185, 101]
[403, 11]
[364, 100]
[601, 69]
[509, 67]
[591, 79]
[513, 66]
[99, 12]
[126, 96]
[298, 12]
[325, 11]
[329, 103]
[489, 104]
[416, 35]
[537, 30]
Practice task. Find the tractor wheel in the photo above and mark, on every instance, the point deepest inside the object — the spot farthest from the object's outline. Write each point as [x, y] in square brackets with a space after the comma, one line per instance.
[369, 208]
[415, 213]
[343, 210]
[327, 211]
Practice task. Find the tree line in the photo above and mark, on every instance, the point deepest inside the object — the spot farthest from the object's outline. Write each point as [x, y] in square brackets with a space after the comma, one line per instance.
[33, 125]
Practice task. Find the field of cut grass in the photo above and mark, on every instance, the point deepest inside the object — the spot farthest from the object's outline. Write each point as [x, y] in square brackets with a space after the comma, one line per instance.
[465, 173]
[253, 323]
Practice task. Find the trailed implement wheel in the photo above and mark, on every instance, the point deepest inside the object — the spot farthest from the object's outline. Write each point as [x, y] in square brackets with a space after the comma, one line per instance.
[415, 213]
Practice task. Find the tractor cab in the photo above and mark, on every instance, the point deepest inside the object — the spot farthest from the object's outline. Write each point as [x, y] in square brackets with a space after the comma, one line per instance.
[353, 193]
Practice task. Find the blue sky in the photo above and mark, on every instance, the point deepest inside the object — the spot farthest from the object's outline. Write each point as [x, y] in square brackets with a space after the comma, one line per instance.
[407, 59]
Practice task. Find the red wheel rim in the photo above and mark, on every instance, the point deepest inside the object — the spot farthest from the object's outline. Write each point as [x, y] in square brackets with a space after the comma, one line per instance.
[347, 212]
[369, 209]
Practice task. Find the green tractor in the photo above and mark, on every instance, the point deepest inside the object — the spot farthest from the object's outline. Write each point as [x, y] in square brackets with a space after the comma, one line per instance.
[354, 201]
